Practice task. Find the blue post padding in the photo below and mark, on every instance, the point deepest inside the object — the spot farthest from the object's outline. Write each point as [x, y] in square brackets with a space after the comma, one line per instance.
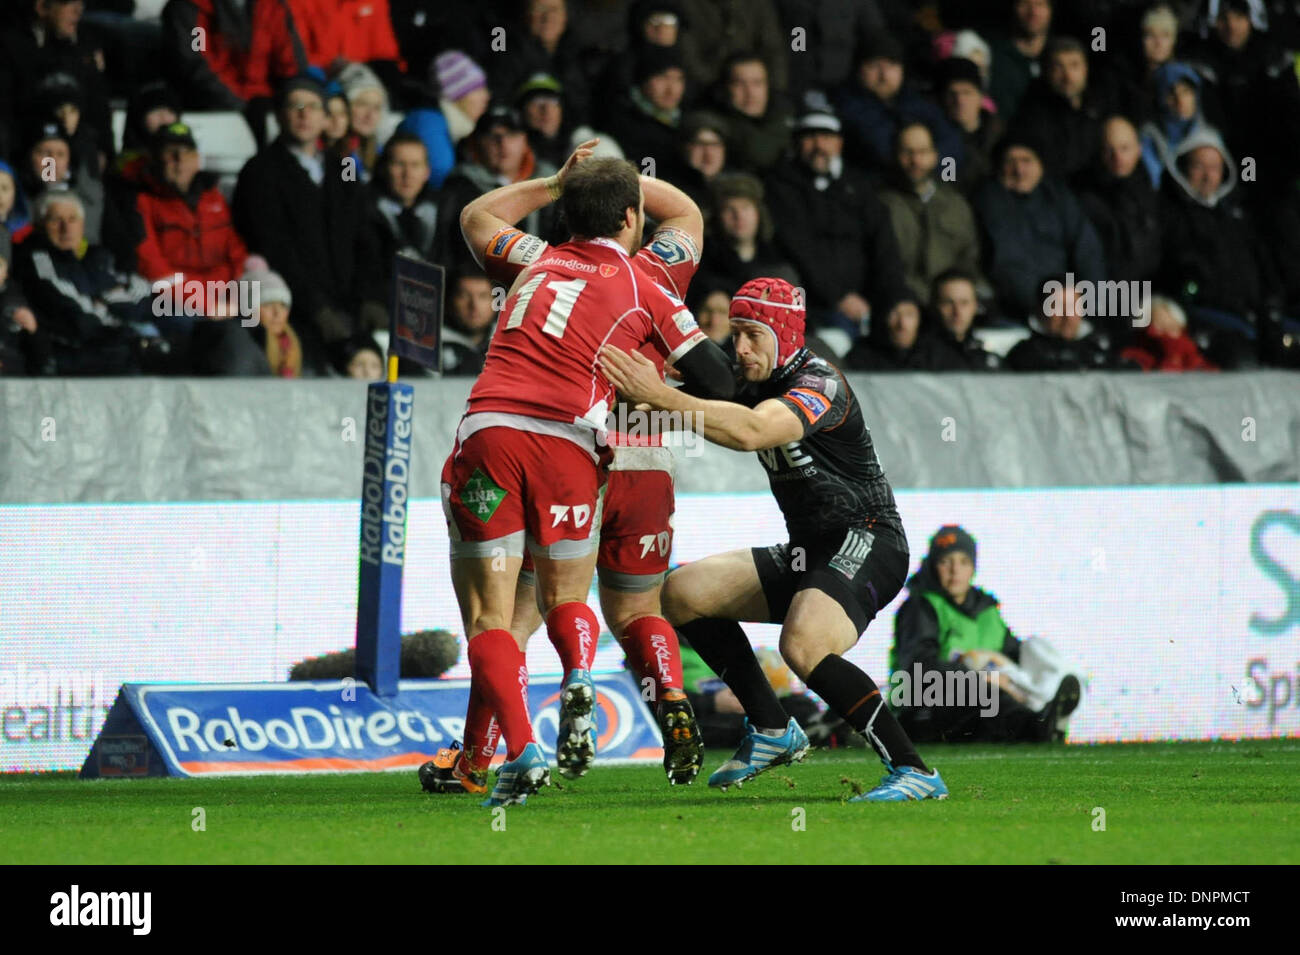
[385, 479]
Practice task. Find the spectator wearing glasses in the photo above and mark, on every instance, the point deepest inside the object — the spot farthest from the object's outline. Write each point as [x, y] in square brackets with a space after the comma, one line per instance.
[294, 206]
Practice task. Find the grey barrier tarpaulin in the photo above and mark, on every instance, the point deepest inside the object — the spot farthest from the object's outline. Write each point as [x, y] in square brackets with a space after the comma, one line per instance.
[158, 439]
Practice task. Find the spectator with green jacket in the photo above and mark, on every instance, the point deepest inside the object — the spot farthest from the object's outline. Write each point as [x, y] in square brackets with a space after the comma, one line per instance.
[949, 624]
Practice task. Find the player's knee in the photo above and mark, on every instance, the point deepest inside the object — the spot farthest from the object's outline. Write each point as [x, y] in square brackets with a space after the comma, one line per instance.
[802, 654]
[678, 608]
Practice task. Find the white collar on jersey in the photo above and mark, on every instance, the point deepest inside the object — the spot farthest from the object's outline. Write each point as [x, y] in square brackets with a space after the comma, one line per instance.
[603, 240]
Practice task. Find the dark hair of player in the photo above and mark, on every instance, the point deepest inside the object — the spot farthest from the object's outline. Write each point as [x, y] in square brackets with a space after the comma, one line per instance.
[597, 194]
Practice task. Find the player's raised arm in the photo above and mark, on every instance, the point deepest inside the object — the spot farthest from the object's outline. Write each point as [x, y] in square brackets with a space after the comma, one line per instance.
[672, 208]
[502, 208]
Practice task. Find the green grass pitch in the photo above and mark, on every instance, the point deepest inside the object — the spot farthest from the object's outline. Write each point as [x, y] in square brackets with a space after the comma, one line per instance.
[1164, 803]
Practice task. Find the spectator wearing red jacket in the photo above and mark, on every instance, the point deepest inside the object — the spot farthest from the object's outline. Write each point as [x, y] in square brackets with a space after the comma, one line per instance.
[288, 37]
[185, 225]
[215, 76]
[365, 29]
[1164, 344]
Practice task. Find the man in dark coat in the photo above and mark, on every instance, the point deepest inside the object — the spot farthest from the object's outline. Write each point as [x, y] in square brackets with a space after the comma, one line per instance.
[1124, 208]
[1035, 227]
[300, 208]
[834, 229]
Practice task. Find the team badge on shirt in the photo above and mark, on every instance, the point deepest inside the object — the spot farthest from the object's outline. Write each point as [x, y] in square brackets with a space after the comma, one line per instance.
[608, 271]
[812, 404]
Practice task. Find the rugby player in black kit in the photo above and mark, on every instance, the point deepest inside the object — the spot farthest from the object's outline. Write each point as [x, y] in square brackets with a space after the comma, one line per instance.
[846, 557]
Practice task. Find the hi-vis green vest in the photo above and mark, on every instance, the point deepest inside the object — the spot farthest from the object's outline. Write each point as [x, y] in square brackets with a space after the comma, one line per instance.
[958, 632]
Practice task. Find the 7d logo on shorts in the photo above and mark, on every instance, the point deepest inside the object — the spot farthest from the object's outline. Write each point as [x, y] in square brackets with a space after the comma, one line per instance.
[560, 513]
[481, 496]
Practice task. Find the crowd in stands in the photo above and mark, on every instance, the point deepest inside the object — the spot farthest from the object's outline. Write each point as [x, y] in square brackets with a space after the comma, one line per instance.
[931, 172]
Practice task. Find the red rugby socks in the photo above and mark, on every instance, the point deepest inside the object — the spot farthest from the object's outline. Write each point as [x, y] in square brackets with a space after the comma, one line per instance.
[651, 645]
[499, 672]
[573, 630]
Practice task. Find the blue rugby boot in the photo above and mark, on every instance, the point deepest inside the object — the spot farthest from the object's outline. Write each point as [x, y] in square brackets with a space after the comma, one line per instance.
[520, 778]
[759, 753]
[900, 785]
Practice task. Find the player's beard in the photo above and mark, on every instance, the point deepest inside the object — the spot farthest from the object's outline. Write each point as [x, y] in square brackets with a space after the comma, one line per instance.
[639, 235]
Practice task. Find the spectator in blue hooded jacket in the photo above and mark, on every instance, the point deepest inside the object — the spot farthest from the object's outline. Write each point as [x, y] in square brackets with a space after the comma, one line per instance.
[1178, 113]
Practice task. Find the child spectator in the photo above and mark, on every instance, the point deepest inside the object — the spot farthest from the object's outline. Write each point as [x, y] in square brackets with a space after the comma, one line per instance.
[1163, 345]
[278, 340]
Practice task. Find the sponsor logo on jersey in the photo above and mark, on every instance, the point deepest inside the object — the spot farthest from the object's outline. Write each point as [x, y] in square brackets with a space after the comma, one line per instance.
[685, 322]
[812, 404]
[559, 262]
[608, 271]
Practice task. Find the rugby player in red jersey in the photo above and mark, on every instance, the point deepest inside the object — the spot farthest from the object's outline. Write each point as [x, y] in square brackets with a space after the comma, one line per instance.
[529, 458]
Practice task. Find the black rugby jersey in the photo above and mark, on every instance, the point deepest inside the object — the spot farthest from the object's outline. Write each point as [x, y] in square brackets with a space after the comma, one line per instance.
[830, 479]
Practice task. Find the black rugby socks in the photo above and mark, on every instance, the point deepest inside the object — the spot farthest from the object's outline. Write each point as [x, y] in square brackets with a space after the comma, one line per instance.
[855, 697]
[722, 644]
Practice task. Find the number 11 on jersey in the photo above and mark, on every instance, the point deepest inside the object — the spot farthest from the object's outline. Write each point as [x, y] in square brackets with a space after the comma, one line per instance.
[557, 316]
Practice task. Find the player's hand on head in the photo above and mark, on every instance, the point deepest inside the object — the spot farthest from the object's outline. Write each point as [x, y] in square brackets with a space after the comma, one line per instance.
[584, 151]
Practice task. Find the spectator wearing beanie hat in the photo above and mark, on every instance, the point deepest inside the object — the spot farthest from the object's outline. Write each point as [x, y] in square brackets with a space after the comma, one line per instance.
[360, 357]
[552, 134]
[960, 86]
[948, 624]
[51, 165]
[739, 246]
[650, 112]
[651, 23]
[272, 331]
[496, 155]
[463, 90]
[59, 98]
[150, 107]
[367, 109]
[459, 97]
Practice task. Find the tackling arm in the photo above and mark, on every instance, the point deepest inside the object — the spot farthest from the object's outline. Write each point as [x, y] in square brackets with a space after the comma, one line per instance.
[734, 426]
